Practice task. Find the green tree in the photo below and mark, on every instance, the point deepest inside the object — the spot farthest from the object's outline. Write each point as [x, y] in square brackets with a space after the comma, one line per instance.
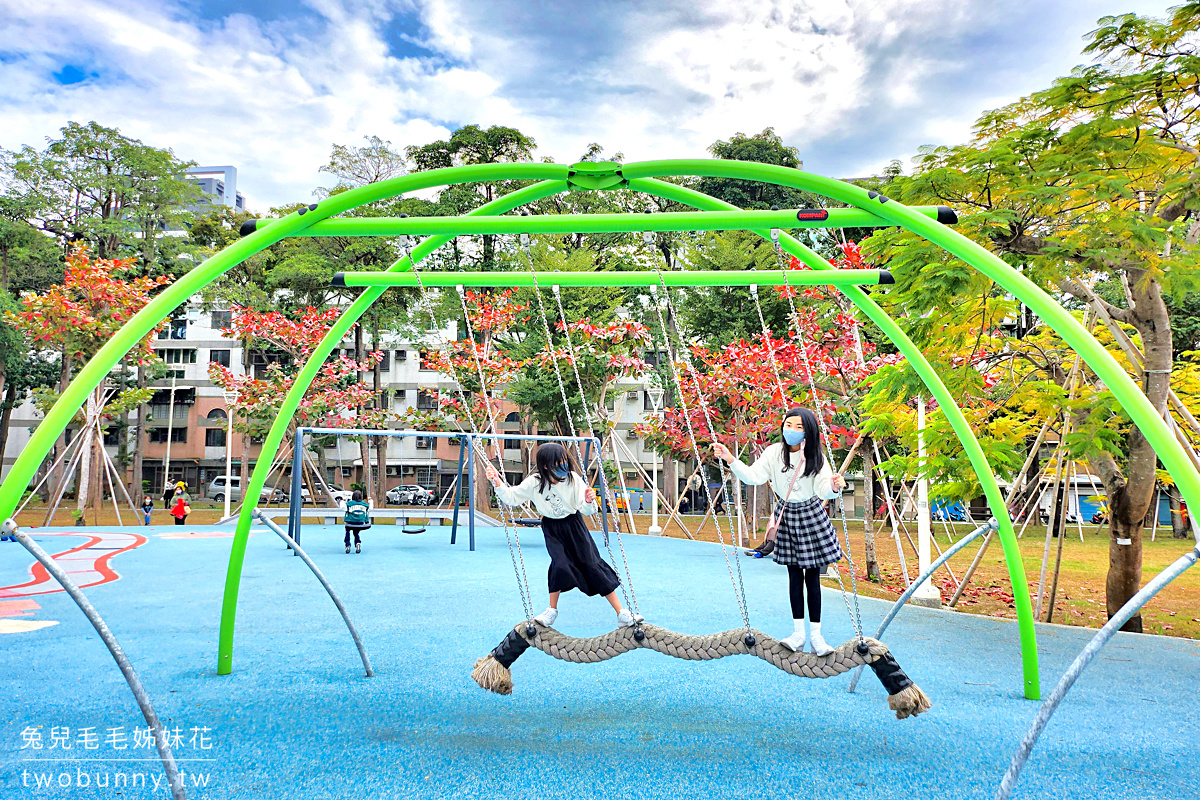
[1092, 181]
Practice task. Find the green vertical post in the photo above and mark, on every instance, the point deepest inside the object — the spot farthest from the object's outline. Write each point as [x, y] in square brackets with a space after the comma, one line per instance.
[304, 379]
[1016, 569]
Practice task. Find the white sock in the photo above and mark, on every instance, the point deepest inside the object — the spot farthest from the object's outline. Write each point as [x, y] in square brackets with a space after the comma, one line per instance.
[799, 623]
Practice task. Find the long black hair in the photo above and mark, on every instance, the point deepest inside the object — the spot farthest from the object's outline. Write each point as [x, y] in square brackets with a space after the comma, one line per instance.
[549, 455]
[813, 458]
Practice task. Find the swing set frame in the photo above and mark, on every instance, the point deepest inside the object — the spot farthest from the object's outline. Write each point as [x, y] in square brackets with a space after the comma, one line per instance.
[866, 209]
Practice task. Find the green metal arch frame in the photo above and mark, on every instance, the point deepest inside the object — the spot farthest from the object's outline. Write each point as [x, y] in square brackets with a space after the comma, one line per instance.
[639, 176]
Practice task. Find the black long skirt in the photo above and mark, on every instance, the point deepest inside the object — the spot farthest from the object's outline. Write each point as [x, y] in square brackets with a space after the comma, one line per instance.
[575, 563]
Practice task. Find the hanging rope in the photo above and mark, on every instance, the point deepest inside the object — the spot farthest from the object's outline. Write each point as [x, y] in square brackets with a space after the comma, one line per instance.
[510, 528]
[629, 596]
[856, 615]
[739, 591]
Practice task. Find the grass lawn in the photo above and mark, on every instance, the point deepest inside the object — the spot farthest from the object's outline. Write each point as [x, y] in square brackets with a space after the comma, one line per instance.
[1080, 599]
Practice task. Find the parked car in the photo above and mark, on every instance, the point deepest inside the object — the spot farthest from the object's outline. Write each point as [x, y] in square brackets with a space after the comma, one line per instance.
[221, 485]
[409, 495]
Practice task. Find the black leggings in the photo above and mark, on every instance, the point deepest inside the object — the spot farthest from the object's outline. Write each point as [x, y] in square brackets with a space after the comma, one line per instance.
[798, 579]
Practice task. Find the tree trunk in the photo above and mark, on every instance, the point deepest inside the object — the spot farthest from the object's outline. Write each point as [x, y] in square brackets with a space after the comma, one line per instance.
[1179, 527]
[10, 401]
[872, 559]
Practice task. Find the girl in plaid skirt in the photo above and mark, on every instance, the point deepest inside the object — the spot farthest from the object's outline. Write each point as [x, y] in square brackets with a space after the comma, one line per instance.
[806, 542]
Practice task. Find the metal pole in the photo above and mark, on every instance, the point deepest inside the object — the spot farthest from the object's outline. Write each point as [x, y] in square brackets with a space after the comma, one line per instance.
[230, 399]
[992, 525]
[1131, 607]
[926, 593]
[839, 278]
[135, 684]
[471, 491]
[458, 484]
[170, 427]
[295, 546]
[296, 501]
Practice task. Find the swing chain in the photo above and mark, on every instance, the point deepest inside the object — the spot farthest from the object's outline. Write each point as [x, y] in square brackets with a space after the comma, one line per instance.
[739, 589]
[518, 558]
[856, 614]
[630, 596]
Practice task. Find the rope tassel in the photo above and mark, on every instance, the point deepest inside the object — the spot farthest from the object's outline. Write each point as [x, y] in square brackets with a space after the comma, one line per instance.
[904, 696]
[492, 671]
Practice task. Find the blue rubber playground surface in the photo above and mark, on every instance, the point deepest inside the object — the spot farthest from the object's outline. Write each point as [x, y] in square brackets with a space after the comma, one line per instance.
[298, 719]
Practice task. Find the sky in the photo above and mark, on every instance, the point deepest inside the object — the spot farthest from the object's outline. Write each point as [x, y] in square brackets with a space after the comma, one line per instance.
[269, 86]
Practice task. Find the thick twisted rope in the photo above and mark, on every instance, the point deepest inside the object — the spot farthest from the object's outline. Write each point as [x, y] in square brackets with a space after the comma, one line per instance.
[702, 648]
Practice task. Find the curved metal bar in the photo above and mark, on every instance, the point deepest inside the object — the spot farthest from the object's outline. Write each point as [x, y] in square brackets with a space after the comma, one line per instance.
[158, 309]
[362, 651]
[304, 379]
[991, 525]
[1009, 782]
[174, 780]
[962, 429]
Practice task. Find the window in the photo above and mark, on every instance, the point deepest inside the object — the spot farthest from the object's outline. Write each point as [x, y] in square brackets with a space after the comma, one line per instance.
[176, 327]
[159, 435]
[424, 356]
[111, 437]
[385, 363]
[214, 437]
[424, 442]
[513, 417]
[426, 400]
[219, 357]
[512, 444]
[177, 355]
[160, 413]
[401, 356]
[221, 320]
[217, 416]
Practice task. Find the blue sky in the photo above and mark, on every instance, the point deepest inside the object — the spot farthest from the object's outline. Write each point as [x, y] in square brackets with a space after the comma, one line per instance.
[268, 86]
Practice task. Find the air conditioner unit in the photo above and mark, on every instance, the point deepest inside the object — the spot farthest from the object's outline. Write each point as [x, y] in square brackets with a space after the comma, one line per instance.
[401, 355]
[631, 395]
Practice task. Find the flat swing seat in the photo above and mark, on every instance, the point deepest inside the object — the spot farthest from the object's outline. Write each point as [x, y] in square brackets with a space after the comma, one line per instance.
[904, 697]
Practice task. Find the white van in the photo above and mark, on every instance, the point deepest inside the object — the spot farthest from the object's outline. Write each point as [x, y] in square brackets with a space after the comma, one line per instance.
[233, 485]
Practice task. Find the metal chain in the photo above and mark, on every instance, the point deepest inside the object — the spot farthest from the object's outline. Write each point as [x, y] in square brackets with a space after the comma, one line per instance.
[562, 390]
[739, 591]
[504, 511]
[599, 456]
[856, 614]
[518, 565]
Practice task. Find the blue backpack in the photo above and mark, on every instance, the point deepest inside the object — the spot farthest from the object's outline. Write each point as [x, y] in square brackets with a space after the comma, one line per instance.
[357, 513]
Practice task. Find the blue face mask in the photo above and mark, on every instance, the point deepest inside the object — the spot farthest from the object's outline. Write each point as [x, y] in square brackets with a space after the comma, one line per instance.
[793, 437]
[560, 471]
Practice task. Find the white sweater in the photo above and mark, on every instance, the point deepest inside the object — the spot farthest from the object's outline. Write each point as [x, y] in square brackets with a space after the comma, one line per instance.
[769, 467]
[559, 501]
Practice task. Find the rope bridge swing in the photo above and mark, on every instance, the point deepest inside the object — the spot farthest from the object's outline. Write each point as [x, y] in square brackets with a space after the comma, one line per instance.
[904, 697]
[492, 672]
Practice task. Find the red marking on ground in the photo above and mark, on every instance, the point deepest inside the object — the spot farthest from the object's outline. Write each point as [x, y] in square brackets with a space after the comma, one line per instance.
[17, 608]
[42, 583]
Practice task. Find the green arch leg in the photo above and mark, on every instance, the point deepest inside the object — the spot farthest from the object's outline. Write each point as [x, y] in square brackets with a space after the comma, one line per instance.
[304, 379]
[1016, 569]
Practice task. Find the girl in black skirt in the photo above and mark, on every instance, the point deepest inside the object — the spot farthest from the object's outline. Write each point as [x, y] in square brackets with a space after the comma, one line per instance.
[806, 542]
[561, 495]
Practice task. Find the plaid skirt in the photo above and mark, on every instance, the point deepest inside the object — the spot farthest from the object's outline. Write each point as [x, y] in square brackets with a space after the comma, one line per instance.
[806, 537]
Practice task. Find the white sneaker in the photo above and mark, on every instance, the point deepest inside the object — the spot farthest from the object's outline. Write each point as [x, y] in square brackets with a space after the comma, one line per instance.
[819, 645]
[795, 642]
[547, 617]
[627, 619]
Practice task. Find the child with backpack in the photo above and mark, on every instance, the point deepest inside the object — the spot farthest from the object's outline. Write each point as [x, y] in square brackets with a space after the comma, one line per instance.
[357, 518]
[181, 504]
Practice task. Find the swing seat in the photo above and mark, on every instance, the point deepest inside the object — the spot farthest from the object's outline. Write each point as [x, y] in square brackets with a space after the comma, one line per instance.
[904, 697]
[528, 522]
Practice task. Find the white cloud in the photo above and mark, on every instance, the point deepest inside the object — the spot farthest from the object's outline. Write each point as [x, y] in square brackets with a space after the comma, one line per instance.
[852, 83]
